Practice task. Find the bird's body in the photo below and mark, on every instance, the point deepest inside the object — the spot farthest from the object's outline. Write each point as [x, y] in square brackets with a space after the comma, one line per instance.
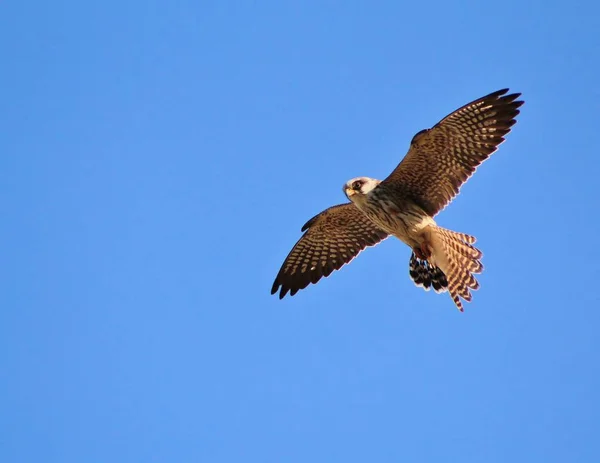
[403, 205]
[435, 250]
[395, 215]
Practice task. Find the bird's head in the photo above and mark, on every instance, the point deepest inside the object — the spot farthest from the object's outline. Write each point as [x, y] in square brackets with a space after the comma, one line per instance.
[357, 188]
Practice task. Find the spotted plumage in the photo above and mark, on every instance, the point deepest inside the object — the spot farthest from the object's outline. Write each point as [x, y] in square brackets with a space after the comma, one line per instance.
[331, 239]
[438, 162]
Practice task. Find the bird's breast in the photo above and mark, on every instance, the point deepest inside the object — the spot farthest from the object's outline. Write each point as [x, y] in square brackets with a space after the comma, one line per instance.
[403, 219]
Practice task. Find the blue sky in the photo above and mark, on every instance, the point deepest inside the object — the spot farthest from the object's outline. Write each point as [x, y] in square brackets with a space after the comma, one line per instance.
[158, 161]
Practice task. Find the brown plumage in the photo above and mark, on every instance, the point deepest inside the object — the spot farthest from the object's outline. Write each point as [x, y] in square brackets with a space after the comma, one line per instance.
[458, 259]
[442, 158]
[331, 239]
[438, 162]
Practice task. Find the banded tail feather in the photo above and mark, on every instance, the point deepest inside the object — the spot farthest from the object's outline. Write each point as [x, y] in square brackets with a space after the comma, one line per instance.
[427, 276]
[458, 259]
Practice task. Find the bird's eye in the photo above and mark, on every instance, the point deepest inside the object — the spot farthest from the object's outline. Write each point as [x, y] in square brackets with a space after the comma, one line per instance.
[356, 185]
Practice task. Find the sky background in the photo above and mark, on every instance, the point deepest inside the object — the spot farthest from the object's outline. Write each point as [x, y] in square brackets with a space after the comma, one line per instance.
[157, 162]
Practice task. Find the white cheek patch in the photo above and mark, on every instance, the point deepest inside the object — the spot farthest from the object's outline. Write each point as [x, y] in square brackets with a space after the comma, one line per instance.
[369, 185]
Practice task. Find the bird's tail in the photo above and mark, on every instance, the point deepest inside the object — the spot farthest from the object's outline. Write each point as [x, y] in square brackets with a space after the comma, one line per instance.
[426, 275]
[454, 255]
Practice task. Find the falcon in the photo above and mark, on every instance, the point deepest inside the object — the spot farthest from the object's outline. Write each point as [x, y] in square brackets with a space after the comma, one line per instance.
[439, 161]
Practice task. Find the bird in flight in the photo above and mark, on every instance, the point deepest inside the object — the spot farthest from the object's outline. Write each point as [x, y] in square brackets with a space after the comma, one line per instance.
[438, 162]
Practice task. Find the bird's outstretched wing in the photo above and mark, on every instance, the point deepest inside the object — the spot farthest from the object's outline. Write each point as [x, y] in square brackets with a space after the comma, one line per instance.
[332, 239]
[442, 158]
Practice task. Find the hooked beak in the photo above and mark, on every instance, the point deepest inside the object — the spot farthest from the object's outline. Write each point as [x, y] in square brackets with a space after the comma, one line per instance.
[348, 191]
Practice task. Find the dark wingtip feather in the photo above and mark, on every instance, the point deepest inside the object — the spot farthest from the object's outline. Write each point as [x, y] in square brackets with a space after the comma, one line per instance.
[507, 99]
[308, 224]
[497, 93]
[284, 291]
[276, 285]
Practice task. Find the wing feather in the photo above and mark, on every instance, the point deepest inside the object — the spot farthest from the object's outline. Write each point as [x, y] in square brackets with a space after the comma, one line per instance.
[442, 158]
[331, 239]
